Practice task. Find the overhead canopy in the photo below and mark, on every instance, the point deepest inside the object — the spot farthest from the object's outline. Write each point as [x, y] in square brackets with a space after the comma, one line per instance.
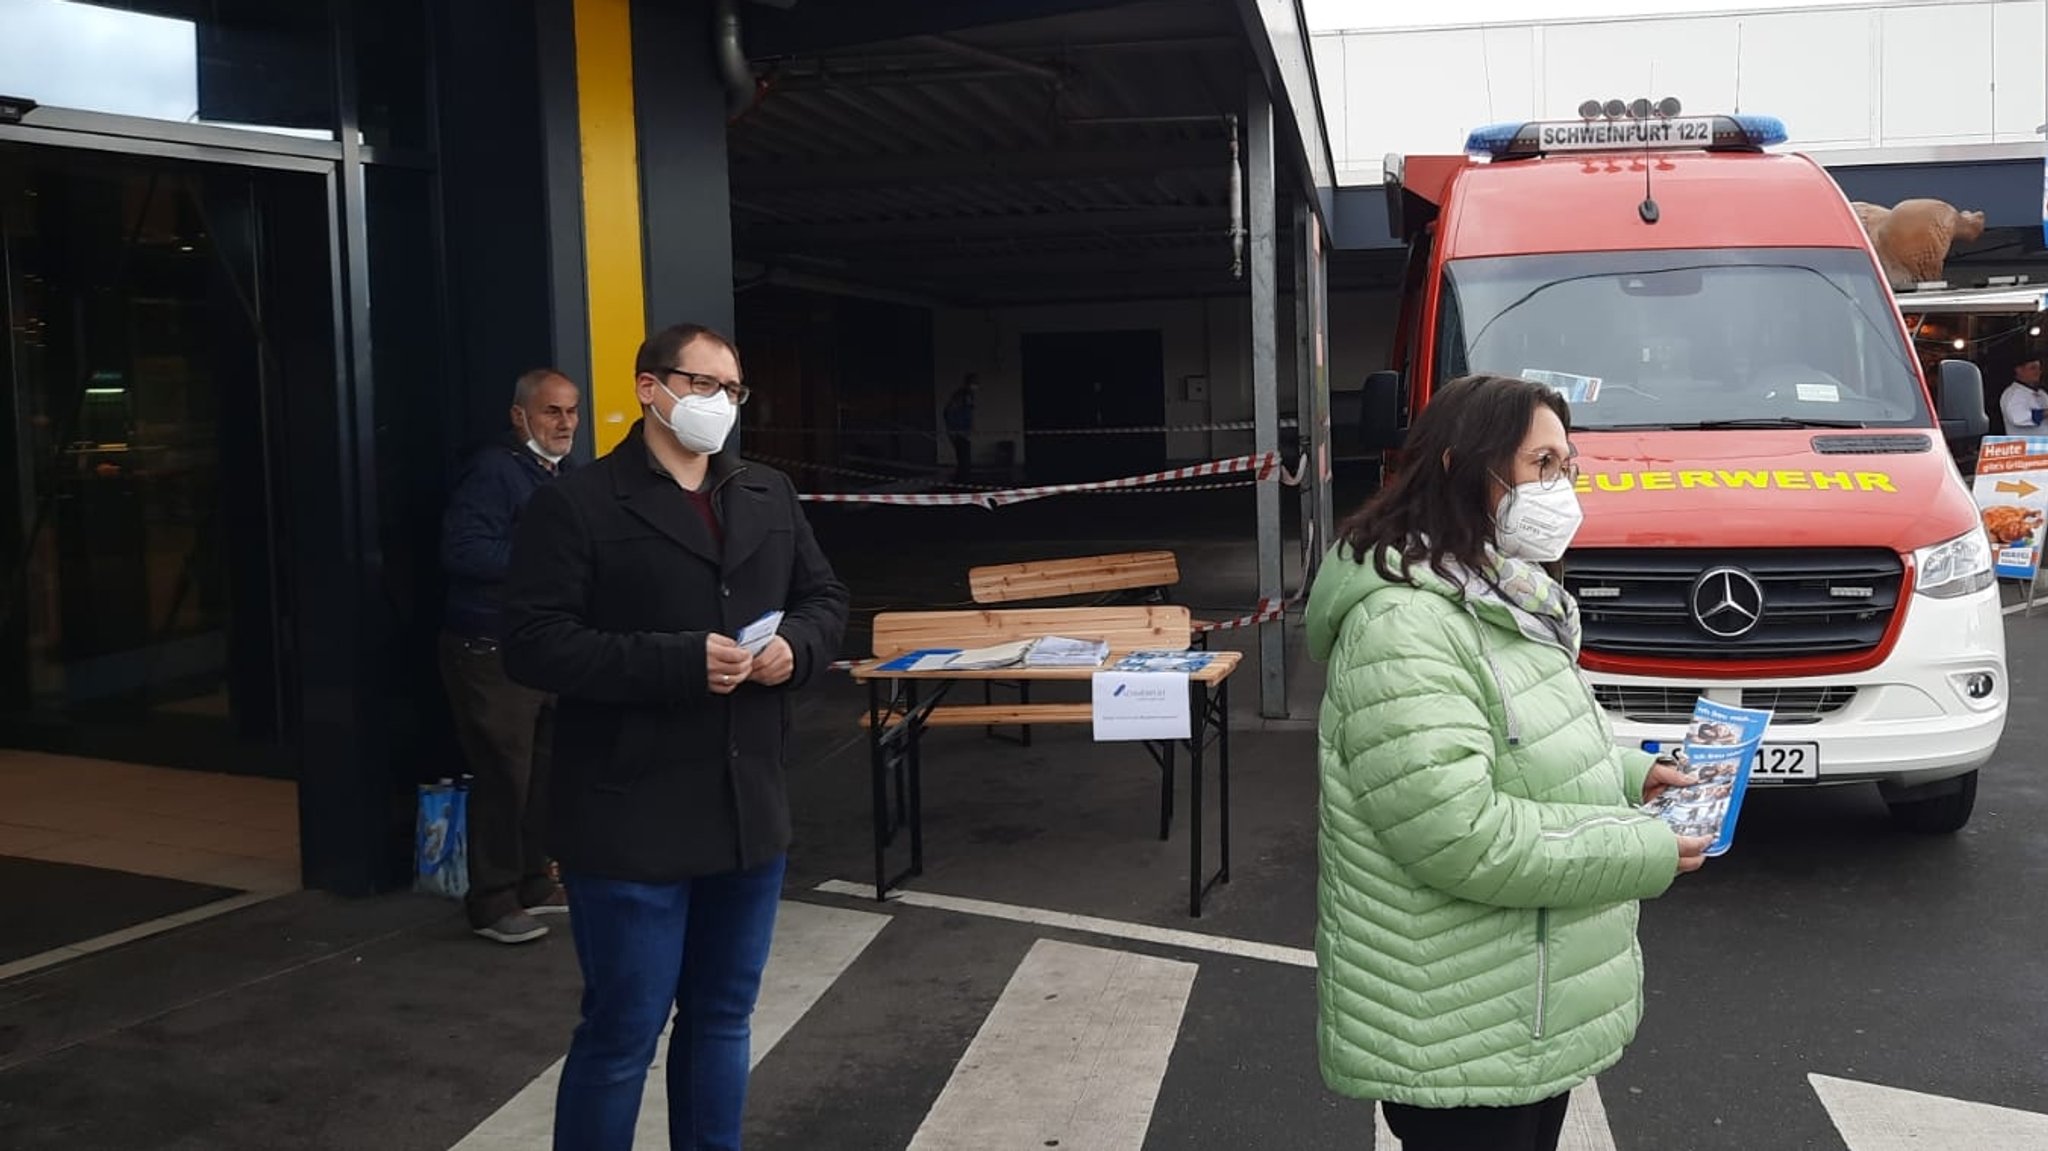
[1009, 152]
[1976, 301]
[1086, 155]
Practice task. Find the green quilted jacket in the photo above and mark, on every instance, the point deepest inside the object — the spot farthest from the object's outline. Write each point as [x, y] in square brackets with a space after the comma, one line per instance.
[1480, 852]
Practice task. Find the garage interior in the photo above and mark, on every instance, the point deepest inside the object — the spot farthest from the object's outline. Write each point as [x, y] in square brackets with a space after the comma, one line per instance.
[885, 190]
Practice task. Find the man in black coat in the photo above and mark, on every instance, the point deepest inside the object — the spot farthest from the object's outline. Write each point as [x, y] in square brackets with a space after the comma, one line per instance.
[632, 580]
[502, 726]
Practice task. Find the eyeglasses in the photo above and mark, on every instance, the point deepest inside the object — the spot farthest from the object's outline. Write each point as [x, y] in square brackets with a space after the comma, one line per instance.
[702, 385]
[1551, 467]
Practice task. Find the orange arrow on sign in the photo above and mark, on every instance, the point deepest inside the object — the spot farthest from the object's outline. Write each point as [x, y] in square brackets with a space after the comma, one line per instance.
[2020, 488]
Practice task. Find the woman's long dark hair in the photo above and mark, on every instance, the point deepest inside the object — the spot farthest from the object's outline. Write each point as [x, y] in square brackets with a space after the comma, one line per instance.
[1439, 508]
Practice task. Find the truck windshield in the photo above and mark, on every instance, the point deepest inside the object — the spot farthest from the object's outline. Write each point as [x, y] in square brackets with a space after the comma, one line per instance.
[1726, 338]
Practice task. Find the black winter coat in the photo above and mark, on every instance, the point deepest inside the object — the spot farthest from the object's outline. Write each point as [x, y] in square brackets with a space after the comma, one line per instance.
[615, 583]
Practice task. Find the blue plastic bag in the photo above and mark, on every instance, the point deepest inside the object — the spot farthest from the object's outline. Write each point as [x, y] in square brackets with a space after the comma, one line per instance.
[441, 840]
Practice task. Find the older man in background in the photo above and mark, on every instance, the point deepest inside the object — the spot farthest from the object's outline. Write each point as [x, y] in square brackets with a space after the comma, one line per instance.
[504, 728]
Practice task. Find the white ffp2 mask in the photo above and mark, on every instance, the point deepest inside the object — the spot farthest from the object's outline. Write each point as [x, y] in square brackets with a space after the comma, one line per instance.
[1537, 523]
[534, 445]
[701, 423]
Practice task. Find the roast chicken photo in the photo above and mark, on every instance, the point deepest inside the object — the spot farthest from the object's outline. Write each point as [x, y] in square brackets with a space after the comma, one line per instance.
[2010, 525]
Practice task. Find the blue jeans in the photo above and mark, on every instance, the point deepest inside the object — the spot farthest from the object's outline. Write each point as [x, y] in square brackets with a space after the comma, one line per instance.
[697, 947]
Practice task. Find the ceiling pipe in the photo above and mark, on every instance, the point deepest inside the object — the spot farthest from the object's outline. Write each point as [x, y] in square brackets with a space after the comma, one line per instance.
[1237, 233]
[733, 68]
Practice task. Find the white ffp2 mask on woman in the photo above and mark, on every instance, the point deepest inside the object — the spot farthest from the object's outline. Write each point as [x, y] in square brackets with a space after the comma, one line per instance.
[1537, 523]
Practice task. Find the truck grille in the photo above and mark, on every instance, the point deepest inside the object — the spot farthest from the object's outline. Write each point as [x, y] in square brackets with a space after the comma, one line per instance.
[1753, 604]
[1673, 705]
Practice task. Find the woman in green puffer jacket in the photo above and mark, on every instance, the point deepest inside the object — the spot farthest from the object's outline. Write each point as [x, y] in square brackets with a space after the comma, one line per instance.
[1481, 851]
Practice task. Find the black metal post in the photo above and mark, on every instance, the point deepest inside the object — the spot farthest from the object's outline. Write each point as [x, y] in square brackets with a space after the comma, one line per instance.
[878, 771]
[916, 813]
[1166, 758]
[1200, 733]
[1223, 770]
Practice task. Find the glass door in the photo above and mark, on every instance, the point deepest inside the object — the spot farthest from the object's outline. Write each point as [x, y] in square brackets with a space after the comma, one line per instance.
[140, 602]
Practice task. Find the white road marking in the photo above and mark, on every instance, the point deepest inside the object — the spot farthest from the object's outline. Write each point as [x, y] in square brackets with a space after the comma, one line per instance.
[813, 947]
[98, 943]
[1875, 1118]
[1585, 1124]
[1072, 1055]
[1092, 925]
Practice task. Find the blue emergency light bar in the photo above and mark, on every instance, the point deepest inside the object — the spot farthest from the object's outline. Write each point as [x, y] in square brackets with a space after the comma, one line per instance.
[1516, 140]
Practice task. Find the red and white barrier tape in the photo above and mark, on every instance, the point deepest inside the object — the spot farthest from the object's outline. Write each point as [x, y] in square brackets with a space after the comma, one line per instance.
[1270, 609]
[1266, 612]
[1226, 485]
[1266, 465]
[827, 469]
[1223, 426]
[1134, 429]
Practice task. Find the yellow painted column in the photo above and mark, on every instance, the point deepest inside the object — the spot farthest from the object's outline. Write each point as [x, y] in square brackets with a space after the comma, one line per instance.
[614, 287]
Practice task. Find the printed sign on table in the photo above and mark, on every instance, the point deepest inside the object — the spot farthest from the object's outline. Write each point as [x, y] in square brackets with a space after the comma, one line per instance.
[2012, 494]
[1141, 705]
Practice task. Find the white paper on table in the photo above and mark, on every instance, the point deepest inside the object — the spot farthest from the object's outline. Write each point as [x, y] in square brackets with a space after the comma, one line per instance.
[1141, 705]
[756, 635]
[987, 658]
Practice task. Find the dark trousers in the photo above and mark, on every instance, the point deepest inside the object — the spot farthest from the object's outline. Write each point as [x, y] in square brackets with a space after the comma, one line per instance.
[1533, 1127]
[505, 731]
[963, 457]
[696, 948]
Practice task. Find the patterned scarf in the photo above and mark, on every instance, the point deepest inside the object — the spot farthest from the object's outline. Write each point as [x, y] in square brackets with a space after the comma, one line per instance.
[1541, 608]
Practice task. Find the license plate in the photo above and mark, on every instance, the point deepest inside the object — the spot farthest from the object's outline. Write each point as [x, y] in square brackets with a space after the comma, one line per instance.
[1786, 763]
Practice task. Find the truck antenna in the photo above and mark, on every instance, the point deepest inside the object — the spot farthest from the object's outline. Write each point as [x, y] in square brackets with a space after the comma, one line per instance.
[1642, 110]
[1738, 67]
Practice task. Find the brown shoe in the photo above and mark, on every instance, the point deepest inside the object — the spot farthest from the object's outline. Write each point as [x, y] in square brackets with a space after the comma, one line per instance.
[555, 904]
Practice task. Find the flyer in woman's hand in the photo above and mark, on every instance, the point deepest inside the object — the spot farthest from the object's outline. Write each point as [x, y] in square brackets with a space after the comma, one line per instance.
[1719, 750]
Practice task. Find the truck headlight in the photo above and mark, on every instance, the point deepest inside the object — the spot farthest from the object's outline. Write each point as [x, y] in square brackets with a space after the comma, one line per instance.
[1959, 567]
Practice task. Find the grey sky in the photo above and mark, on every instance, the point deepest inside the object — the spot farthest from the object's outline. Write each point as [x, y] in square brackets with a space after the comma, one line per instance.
[1331, 15]
[83, 56]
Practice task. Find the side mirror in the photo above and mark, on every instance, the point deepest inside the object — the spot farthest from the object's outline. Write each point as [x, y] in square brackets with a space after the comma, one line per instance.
[1379, 417]
[1959, 394]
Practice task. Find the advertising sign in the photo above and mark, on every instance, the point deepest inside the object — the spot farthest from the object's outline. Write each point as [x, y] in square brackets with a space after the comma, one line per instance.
[2012, 495]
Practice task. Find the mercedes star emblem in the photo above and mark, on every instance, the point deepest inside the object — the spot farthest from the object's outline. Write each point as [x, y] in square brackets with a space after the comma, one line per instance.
[1728, 603]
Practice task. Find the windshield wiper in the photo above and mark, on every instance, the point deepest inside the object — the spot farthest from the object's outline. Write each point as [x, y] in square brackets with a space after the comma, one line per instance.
[1720, 425]
[1776, 422]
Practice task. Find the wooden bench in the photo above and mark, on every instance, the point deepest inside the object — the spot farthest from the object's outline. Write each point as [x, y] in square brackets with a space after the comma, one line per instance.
[1004, 714]
[1120, 572]
[1077, 575]
[1127, 627]
[1124, 627]
[902, 704]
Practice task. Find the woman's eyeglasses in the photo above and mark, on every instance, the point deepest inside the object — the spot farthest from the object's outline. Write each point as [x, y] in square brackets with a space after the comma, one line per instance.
[701, 385]
[1551, 467]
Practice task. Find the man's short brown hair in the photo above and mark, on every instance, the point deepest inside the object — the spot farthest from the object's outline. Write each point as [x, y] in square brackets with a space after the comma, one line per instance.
[659, 351]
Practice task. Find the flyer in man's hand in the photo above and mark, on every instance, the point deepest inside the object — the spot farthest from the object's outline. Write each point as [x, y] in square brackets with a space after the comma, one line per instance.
[755, 636]
[1719, 750]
